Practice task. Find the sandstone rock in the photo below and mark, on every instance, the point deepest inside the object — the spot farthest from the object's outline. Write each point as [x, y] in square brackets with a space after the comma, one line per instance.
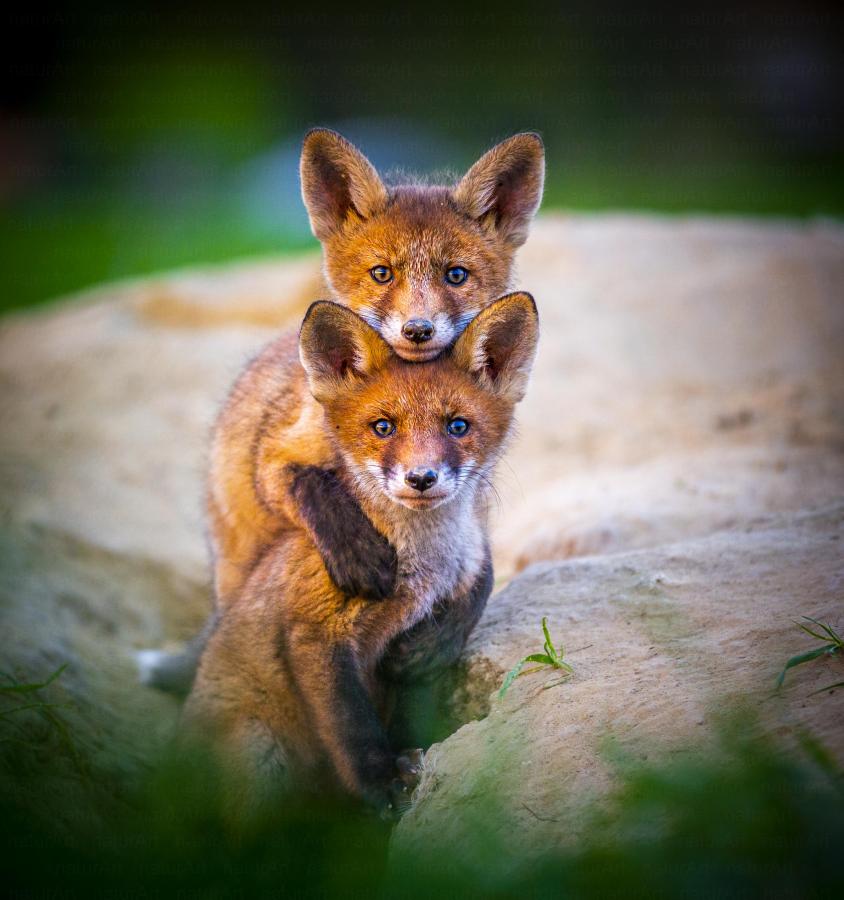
[689, 377]
[663, 641]
[107, 400]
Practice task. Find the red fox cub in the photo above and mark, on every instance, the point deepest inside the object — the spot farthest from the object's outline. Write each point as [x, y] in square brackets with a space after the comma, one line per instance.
[417, 263]
[299, 679]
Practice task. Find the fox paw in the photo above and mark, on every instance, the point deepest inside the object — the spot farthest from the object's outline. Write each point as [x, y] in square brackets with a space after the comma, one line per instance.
[366, 567]
[359, 559]
[410, 764]
[396, 799]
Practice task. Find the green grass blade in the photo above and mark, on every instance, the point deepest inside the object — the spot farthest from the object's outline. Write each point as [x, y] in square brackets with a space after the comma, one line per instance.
[35, 686]
[560, 680]
[16, 709]
[827, 628]
[803, 658]
[550, 649]
[829, 687]
[827, 633]
[814, 634]
[511, 676]
[551, 657]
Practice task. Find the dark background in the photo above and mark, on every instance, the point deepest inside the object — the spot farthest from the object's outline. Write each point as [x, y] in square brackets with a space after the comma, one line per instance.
[134, 139]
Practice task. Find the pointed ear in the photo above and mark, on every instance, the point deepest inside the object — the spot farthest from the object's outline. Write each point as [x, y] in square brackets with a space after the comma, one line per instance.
[338, 182]
[337, 349]
[499, 344]
[504, 187]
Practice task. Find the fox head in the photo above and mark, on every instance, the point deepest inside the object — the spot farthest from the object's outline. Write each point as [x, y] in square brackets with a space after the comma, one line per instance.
[419, 433]
[419, 262]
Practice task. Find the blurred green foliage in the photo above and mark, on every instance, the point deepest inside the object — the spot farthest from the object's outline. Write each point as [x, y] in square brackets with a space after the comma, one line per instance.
[745, 821]
[47, 250]
[131, 134]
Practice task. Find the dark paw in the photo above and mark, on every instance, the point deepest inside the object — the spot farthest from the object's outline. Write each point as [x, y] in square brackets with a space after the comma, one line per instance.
[359, 559]
[394, 801]
[366, 567]
[410, 764]
[398, 802]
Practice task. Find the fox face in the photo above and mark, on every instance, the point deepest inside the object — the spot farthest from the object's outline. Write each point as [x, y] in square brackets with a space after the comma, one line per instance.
[419, 262]
[420, 434]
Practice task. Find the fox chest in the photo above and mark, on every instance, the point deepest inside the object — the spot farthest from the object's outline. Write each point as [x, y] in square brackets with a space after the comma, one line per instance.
[436, 564]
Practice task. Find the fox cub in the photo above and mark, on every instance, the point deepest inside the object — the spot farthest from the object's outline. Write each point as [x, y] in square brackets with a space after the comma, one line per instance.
[417, 263]
[300, 679]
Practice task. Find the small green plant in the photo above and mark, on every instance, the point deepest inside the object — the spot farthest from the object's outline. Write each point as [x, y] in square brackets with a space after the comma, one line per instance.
[832, 646]
[26, 697]
[13, 686]
[550, 658]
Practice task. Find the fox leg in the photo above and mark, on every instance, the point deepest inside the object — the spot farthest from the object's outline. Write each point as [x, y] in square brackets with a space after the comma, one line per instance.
[225, 714]
[256, 768]
[415, 659]
[360, 560]
[338, 696]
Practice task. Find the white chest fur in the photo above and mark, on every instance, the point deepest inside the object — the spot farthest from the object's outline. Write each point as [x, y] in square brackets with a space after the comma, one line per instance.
[440, 551]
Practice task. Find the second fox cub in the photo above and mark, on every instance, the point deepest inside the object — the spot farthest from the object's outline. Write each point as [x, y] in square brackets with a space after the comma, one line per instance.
[298, 677]
[417, 262]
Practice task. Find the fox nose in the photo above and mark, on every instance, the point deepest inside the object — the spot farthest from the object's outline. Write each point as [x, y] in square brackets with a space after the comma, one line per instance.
[421, 479]
[418, 330]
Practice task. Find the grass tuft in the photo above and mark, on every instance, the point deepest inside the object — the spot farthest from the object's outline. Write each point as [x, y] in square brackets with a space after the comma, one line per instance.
[27, 695]
[550, 658]
[832, 646]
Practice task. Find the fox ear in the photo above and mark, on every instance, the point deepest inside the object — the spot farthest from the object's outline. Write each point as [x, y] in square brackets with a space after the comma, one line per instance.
[338, 182]
[504, 187]
[499, 344]
[337, 349]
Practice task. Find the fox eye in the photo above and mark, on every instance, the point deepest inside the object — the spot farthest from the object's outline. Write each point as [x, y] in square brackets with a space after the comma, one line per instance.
[457, 427]
[381, 274]
[456, 275]
[383, 427]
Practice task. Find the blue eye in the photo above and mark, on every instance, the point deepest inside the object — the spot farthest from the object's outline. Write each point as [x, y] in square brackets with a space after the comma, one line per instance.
[381, 274]
[456, 275]
[457, 427]
[383, 427]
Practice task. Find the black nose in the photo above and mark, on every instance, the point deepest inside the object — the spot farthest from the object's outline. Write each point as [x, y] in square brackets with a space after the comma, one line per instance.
[418, 330]
[421, 479]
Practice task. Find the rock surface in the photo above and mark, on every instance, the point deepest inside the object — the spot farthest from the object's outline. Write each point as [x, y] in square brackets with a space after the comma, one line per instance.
[676, 492]
[662, 641]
